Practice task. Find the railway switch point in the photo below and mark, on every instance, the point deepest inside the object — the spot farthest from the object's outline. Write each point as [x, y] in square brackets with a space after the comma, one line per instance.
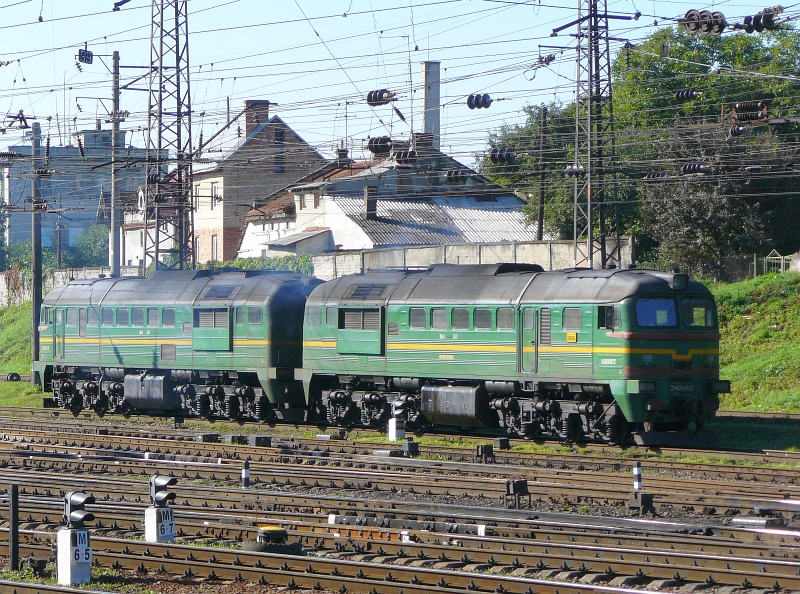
[643, 502]
[502, 443]
[235, 439]
[485, 453]
[259, 441]
[208, 437]
[516, 489]
[410, 448]
[177, 422]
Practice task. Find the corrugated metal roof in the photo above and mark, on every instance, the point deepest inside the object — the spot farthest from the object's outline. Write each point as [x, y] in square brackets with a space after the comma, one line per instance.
[297, 237]
[438, 220]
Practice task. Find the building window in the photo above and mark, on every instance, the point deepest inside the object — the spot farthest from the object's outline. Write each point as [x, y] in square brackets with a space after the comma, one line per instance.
[214, 248]
[263, 253]
[279, 135]
[279, 161]
[215, 196]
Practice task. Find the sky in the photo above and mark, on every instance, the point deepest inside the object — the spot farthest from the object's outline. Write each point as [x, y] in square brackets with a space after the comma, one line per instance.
[316, 60]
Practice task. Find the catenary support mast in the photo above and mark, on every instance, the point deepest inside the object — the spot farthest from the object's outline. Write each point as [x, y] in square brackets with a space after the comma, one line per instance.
[169, 237]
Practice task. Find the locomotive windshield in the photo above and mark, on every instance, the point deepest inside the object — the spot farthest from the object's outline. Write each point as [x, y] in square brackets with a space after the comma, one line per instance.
[656, 313]
[698, 312]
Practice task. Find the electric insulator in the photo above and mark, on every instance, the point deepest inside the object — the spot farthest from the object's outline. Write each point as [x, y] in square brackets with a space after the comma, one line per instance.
[380, 97]
[47, 148]
[737, 131]
[458, 175]
[152, 179]
[763, 20]
[380, 145]
[479, 101]
[753, 169]
[687, 94]
[573, 171]
[502, 155]
[405, 157]
[80, 147]
[704, 22]
[750, 106]
[749, 116]
[691, 21]
[656, 175]
[160, 198]
[690, 168]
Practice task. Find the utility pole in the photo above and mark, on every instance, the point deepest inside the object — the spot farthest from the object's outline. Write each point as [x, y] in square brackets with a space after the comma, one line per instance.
[540, 209]
[113, 244]
[36, 246]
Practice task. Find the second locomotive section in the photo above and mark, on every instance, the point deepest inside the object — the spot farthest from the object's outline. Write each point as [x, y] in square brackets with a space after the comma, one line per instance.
[575, 354]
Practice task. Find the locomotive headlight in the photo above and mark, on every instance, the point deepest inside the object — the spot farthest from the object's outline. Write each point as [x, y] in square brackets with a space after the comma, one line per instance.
[646, 387]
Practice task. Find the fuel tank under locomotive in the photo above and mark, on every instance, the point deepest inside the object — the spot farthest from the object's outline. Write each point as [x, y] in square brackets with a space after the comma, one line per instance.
[460, 406]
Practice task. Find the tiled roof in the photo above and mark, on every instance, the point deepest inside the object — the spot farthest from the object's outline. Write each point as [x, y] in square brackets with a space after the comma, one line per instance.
[284, 204]
[440, 220]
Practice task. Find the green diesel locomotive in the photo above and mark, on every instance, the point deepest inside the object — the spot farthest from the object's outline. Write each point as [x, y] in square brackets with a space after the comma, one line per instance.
[577, 354]
[573, 354]
[221, 344]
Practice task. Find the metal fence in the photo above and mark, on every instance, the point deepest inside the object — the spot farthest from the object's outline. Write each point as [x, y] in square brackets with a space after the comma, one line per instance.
[773, 262]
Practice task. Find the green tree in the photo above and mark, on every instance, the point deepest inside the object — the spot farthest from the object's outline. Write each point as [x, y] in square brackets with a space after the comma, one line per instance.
[523, 174]
[748, 190]
[90, 249]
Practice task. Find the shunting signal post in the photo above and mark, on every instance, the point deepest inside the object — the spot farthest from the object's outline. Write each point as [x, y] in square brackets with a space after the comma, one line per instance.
[74, 547]
[159, 519]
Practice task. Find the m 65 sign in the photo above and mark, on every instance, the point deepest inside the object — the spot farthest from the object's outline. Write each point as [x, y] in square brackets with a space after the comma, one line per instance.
[80, 549]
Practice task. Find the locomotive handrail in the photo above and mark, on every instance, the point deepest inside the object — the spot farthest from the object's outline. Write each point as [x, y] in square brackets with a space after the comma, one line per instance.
[525, 288]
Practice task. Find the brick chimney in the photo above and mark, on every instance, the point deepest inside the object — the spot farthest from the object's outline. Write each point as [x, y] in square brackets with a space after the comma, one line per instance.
[256, 112]
[371, 203]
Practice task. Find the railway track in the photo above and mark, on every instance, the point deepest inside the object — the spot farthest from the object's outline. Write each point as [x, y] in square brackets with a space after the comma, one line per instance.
[379, 523]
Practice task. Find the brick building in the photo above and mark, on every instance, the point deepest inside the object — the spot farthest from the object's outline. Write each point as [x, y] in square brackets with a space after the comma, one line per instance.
[256, 159]
[270, 156]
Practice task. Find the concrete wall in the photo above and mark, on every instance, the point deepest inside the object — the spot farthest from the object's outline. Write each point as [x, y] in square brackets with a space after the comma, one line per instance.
[15, 289]
[551, 255]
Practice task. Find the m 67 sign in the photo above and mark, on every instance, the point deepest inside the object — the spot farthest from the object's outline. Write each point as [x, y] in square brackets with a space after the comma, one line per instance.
[159, 524]
[165, 519]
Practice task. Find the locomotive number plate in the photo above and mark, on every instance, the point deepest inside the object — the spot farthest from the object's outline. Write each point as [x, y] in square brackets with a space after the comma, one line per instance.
[682, 388]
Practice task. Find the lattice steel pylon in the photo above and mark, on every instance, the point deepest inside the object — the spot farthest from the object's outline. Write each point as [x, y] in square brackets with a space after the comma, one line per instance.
[594, 140]
[169, 236]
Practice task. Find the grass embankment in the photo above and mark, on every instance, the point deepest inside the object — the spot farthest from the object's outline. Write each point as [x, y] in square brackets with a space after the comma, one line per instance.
[760, 351]
[15, 355]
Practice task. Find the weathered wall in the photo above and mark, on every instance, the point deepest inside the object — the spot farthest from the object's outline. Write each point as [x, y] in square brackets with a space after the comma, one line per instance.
[551, 255]
[14, 288]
